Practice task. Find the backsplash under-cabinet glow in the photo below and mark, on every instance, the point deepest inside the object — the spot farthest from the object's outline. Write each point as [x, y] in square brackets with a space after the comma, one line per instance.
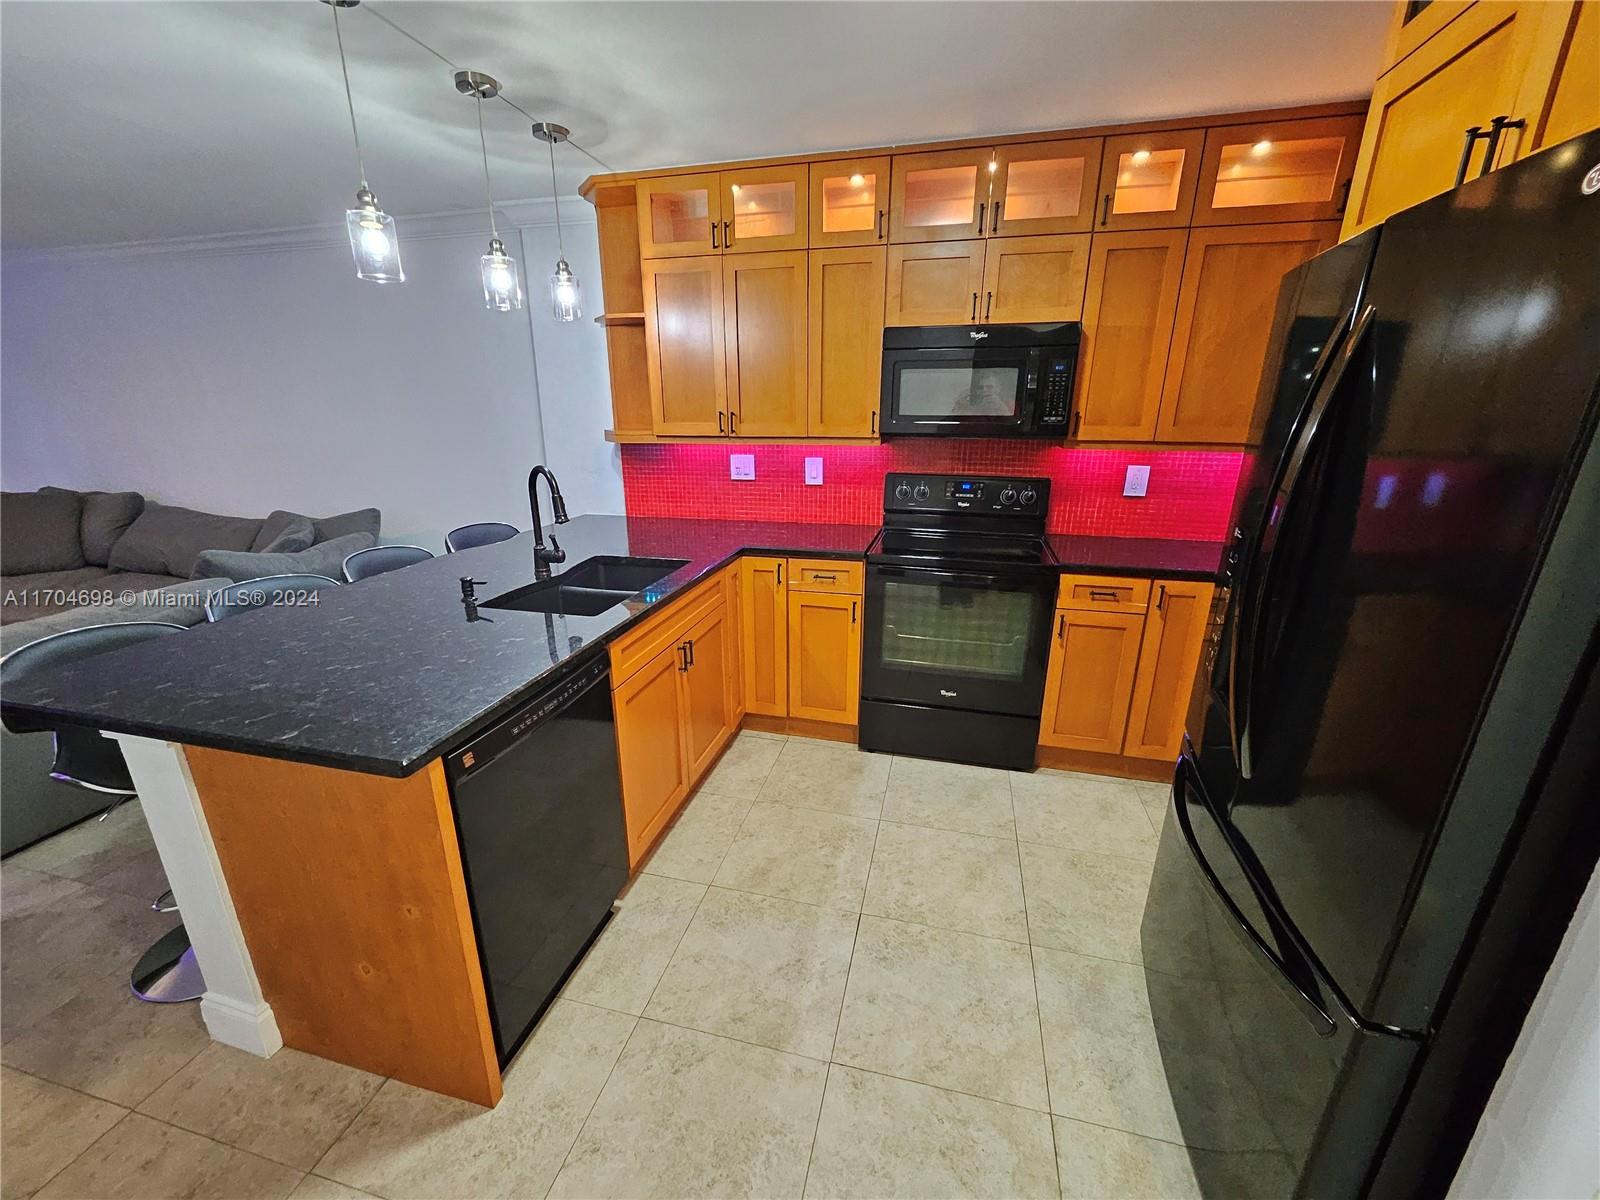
[1190, 492]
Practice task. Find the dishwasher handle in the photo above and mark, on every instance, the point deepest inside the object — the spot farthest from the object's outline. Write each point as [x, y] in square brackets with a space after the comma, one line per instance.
[470, 757]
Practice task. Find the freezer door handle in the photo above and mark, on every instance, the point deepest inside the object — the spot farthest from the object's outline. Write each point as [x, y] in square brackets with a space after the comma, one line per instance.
[1313, 1011]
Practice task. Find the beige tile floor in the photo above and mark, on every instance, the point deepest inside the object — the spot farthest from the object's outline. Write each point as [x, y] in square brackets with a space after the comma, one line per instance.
[840, 974]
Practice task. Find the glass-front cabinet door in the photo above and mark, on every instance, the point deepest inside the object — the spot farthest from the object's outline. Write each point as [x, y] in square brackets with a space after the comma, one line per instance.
[1045, 187]
[1279, 171]
[764, 208]
[679, 215]
[1147, 180]
[850, 202]
[941, 196]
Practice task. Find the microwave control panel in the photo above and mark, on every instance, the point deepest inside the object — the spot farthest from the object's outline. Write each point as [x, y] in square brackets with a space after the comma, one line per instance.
[967, 493]
[1056, 400]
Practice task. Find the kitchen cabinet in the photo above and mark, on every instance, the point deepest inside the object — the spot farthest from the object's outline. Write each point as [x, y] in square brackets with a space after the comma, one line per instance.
[708, 719]
[934, 283]
[1093, 659]
[763, 623]
[1169, 651]
[651, 751]
[1129, 308]
[1036, 279]
[845, 340]
[850, 202]
[939, 196]
[683, 313]
[1277, 171]
[1044, 187]
[1147, 180]
[680, 215]
[764, 208]
[824, 656]
[1224, 321]
[764, 340]
[1567, 98]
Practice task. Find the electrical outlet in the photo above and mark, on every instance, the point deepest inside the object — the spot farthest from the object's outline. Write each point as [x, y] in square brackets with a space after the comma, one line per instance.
[1136, 482]
[741, 466]
[814, 470]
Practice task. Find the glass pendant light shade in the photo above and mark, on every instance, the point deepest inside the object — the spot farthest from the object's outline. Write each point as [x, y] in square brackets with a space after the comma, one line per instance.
[502, 282]
[373, 241]
[564, 298]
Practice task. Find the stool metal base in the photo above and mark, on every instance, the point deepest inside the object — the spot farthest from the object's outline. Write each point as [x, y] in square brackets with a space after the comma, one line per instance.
[168, 972]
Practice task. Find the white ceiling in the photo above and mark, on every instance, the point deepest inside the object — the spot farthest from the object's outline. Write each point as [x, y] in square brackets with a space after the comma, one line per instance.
[149, 119]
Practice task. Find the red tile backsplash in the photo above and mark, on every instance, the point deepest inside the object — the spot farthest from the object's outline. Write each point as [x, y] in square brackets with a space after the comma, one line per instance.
[1190, 493]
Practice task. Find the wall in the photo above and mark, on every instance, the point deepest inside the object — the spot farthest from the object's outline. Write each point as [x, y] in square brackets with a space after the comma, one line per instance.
[1190, 492]
[268, 376]
[1537, 1135]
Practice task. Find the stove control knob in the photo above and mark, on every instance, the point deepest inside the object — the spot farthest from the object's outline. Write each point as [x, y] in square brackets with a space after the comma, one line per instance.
[1029, 496]
[903, 492]
[921, 493]
[1008, 495]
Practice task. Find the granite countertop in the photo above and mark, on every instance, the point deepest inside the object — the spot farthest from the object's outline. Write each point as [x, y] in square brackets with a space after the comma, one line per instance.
[385, 675]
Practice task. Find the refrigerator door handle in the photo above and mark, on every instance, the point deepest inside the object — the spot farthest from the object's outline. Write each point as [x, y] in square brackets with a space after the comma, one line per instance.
[1241, 693]
[1313, 1012]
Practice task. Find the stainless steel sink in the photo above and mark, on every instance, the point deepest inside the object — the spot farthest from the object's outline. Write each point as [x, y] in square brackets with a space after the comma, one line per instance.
[590, 587]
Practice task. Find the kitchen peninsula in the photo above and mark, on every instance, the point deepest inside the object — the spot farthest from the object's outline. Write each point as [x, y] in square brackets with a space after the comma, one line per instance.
[291, 763]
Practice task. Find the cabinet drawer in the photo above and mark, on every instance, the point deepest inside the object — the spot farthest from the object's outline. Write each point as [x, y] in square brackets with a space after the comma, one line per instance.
[1104, 593]
[823, 575]
[633, 650]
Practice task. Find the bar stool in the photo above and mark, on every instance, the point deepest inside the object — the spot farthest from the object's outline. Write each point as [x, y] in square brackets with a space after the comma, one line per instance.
[262, 592]
[483, 533]
[167, 973]
[377, 560]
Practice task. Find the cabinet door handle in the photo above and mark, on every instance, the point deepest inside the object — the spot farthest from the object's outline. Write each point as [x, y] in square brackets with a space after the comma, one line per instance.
[880, 224]
[1161, 596]
[727, 234]
[722, 426]
[982, 205]
[733, 422]
[974, 306]
[1105, 208]
[683, 657]
[828, 575]
[852, 612]
[1344, 199]
[988, 301]
[994, 220]
[690, 645]
[1061, 627]
[1104, 594]
[714, 245]
[1077, 420]
[1473, 134]
[874, 424]
[780, 574]
[1492, 147]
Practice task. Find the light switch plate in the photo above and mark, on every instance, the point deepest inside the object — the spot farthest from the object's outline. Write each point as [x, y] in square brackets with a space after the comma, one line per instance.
[741, 466]
[814, 470]
[1136, 482]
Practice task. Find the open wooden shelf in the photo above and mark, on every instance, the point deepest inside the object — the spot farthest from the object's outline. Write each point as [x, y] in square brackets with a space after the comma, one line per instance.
[620, 319]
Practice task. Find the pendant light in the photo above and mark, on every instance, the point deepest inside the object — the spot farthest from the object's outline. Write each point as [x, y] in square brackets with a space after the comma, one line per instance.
[373, 241]
[564, 298]
[502, 282]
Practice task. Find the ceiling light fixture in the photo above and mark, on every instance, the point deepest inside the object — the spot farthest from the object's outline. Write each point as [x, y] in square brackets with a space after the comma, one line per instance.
[502, 282]
[373, 241]
[564, 298]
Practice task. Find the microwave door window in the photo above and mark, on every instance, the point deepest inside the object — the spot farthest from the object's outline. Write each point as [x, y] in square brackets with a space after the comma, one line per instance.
[951, 629]
[959, 391]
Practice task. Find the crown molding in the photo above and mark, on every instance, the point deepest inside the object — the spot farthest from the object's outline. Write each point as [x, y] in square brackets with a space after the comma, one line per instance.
[416, 227]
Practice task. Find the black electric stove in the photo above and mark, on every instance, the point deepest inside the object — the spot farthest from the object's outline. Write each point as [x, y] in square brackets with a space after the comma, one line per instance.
[960, 589]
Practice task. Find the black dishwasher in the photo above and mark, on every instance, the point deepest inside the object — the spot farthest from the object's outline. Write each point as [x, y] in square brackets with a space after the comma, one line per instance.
[538, 806]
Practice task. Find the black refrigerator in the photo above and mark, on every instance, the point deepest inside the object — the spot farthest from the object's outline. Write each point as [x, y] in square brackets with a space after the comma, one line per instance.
[1385, 811]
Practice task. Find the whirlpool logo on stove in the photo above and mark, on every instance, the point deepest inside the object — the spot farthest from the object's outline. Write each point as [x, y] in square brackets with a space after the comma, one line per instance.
[977, 335]
[946, 694]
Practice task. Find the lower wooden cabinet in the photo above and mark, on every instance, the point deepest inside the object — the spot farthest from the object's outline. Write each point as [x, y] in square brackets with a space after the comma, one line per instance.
[650, 709]
[1119, 680]
[708, 717]
[763, 620]
[824, 656]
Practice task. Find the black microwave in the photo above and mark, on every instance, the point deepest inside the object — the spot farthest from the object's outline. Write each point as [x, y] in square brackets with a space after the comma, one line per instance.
[979, 380]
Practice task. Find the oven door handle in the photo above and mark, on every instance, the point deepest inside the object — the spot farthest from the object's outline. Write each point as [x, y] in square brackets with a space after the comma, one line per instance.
[936, 574]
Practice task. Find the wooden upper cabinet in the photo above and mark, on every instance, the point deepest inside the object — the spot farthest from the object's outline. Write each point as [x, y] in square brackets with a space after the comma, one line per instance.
[1035, 278]
[1147, 180]
[1128, 312]
[1093, 660]
[1225, 316]
[1565, 93]
[937, 196]
[708, 717]
[1045, 187]
[679, 215]
[824, 656]
[1414, 22]
[845, 332]
[764, 296]
[850, 202]
[683, 320]
[1468, 73]
[1174, 634]
[764, 208]
[763, 629]
[1277, 171]
[934, 283]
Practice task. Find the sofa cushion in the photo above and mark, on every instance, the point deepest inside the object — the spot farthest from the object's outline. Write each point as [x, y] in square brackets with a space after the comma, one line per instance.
[39, 532]
[106, 517]
[165, 539]
[284, 533]
[26, 597]
[361, 520]
[325, 558]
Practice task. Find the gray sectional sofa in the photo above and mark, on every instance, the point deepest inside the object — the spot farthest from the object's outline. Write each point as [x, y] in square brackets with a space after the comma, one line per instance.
[70, 559]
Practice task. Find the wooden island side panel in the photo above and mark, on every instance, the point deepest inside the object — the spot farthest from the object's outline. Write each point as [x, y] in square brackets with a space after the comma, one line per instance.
[351, 896]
